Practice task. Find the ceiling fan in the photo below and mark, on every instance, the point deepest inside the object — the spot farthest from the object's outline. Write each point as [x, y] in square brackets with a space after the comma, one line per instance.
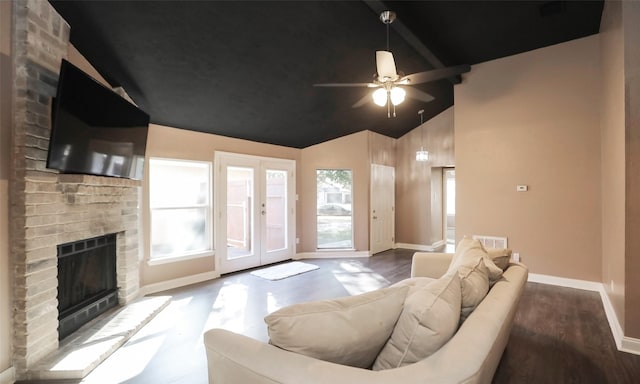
[390, 84]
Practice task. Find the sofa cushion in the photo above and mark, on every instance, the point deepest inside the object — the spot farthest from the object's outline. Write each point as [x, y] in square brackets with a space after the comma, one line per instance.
[429, 319]
[414, 283]
[349, 331]
[468, 252]
[500, 256]
[474, 282]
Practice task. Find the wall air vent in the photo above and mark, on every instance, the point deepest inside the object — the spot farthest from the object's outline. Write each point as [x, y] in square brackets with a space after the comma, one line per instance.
[492, 241]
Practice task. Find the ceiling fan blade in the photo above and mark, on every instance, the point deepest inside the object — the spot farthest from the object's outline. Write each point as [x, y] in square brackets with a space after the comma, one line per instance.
[418, 95]
[386, 66]
[363, 101]
[434, 74]
[368, 85]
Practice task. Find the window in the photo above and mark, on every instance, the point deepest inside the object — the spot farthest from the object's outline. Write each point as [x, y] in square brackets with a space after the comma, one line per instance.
[334, 213]
[180, 202]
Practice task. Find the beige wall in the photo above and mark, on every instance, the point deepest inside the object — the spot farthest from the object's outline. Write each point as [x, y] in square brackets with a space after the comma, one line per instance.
[631, 25]
[612, 125]
[167, 142]
[348, 152]
[533, 119]
[382, 149]
[418, 198]
[5, 139]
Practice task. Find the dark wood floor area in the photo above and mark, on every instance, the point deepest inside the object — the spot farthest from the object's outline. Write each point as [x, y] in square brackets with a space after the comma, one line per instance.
[560, 335]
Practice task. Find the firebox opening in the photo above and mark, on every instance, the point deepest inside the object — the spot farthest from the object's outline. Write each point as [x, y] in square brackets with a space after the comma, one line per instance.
[86, 281]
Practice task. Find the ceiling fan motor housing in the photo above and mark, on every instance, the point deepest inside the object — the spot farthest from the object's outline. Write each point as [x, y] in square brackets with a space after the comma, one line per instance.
[387, 17]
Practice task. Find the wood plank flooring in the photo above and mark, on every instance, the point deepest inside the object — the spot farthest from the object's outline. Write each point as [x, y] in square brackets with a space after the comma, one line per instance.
[560, 335]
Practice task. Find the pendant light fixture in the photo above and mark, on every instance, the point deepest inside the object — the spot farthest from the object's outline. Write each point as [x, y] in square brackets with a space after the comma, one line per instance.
[422, 154]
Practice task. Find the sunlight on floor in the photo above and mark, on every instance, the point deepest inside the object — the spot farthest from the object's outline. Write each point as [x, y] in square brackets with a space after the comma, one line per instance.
[228, 309]
[357, 279]
[132, 358]
[272, 304]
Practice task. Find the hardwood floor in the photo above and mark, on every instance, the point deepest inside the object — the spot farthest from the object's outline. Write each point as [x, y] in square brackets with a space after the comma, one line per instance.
[560, 335]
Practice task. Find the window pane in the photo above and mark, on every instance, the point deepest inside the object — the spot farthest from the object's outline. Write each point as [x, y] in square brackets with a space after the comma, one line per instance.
[176, 232]
[178, 183]
[334, 213]
[180, 207]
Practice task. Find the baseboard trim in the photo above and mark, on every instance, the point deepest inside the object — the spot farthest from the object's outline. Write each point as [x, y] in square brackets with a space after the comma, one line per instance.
[331, 255]
[177, 283]
[421, 247]
[8, 376]
[623, 343]
[565, 282]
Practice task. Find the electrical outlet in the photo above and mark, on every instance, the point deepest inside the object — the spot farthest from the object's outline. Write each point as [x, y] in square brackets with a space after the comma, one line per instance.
[297, 240]
[516, 257]
[612, 289]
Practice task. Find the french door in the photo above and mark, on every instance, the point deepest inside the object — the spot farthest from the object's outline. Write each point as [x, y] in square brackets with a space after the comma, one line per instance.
[255, 211]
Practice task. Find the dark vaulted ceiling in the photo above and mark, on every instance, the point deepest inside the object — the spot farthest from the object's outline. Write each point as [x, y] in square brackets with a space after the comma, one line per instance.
[246, 69]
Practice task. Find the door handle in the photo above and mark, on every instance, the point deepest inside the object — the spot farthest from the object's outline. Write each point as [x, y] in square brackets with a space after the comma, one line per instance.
[375, 217]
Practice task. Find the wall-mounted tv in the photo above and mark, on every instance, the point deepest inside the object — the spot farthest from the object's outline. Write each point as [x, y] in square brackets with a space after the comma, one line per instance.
[94, 130]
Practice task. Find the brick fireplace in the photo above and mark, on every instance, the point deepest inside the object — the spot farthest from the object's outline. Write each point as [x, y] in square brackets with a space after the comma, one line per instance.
[47, 208]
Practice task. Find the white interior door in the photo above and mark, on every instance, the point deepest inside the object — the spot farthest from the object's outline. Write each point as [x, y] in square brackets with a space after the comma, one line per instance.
[382, 217]
[255, 201]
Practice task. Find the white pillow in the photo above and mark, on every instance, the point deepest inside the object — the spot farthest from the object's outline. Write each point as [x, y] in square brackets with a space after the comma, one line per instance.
[414, 283]
[349, 331]
[468, 252]
[500, 256]
[429, 319]
[474, 281]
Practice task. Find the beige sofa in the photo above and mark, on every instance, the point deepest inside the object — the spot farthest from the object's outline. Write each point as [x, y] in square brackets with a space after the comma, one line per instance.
[470, 356]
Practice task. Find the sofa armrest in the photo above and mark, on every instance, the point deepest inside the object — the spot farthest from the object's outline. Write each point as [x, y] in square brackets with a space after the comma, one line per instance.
[430, 264]
[235, 358]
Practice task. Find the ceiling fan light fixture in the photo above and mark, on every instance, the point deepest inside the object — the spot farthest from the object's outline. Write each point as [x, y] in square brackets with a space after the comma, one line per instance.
[397, 95]
[380, 97]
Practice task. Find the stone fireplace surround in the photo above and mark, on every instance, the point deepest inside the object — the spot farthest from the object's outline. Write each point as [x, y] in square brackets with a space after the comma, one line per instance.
[48, 208]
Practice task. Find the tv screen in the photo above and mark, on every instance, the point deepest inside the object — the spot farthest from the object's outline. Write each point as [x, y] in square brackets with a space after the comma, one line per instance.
[94, 130]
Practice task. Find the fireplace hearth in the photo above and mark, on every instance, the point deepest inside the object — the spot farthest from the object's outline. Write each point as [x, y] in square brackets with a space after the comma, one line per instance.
[86, 281]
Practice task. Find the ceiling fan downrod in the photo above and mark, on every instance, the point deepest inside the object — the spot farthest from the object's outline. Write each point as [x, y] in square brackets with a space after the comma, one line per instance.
[387, 17]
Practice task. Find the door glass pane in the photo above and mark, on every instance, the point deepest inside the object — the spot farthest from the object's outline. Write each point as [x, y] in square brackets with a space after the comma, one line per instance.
[334, 214]
[240, 210]
[276, 210]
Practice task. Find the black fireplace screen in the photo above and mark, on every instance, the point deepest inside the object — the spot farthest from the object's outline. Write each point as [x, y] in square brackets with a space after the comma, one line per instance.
[86, 281]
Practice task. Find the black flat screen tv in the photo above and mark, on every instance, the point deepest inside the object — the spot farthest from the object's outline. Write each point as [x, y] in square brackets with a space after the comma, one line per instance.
[94, 130]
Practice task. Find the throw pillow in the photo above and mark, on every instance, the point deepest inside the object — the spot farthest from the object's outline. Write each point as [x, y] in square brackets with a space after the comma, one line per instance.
[414, 283]
[429, 319]
[474, 281]
[349, 331]
[468, 252]
[500, 256]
